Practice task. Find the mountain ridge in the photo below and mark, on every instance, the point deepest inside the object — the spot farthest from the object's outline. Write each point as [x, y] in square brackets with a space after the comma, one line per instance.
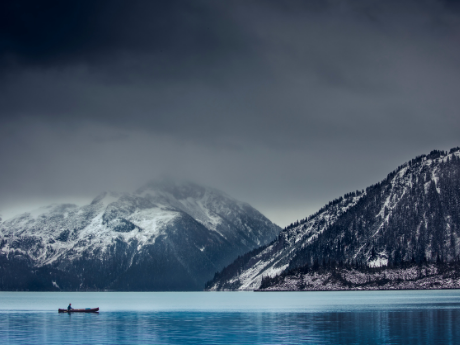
[413, 214]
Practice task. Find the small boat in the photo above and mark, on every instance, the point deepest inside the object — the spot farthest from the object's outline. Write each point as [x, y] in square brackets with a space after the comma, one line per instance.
[86, 310]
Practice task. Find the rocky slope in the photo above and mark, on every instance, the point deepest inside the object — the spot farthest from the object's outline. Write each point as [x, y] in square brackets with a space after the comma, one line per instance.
[411, 216]
[165, 236]
[409, 277]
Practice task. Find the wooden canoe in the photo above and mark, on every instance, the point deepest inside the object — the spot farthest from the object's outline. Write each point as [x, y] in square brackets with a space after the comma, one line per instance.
[87, 310]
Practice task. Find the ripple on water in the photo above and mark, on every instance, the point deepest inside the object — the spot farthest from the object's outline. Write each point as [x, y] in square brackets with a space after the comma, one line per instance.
[378, 318]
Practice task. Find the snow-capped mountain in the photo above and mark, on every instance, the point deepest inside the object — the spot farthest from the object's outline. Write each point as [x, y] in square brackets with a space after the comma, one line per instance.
[411, 216]
[165, 236]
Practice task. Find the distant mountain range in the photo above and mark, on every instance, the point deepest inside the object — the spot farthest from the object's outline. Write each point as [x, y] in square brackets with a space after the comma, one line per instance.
[403, 232]
[165, 236]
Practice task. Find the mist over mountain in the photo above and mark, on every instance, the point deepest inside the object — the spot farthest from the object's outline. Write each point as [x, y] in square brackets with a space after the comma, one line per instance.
[165, 236]
[411, 217]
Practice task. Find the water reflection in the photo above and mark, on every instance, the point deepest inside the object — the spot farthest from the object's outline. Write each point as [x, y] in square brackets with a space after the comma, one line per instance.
[417, 326]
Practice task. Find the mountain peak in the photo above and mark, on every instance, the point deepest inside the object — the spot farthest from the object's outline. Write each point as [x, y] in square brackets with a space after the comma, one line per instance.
[168, 235]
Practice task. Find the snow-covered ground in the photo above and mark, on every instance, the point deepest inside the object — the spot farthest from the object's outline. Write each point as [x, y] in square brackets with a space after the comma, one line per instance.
[415, 277]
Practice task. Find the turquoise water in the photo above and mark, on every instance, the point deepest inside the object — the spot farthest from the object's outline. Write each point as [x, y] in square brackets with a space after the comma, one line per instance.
[390, 317]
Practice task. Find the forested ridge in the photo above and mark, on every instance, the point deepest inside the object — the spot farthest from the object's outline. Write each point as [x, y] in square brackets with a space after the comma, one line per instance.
[411, 217]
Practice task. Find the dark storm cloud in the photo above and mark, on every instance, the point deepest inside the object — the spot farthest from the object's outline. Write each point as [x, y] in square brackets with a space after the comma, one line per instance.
[51, 32]
[285, 104]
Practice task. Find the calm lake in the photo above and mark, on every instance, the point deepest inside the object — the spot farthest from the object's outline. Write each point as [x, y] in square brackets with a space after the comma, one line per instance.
[368, 317]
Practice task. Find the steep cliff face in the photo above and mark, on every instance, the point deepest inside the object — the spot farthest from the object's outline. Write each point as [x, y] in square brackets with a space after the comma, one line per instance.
[411, 216]
[165, 236]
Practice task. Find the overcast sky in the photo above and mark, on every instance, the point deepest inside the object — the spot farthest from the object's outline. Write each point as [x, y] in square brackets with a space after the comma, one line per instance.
[283, 104]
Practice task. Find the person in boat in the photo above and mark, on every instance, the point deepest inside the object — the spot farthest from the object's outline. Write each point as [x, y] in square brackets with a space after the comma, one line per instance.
[69, 308]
